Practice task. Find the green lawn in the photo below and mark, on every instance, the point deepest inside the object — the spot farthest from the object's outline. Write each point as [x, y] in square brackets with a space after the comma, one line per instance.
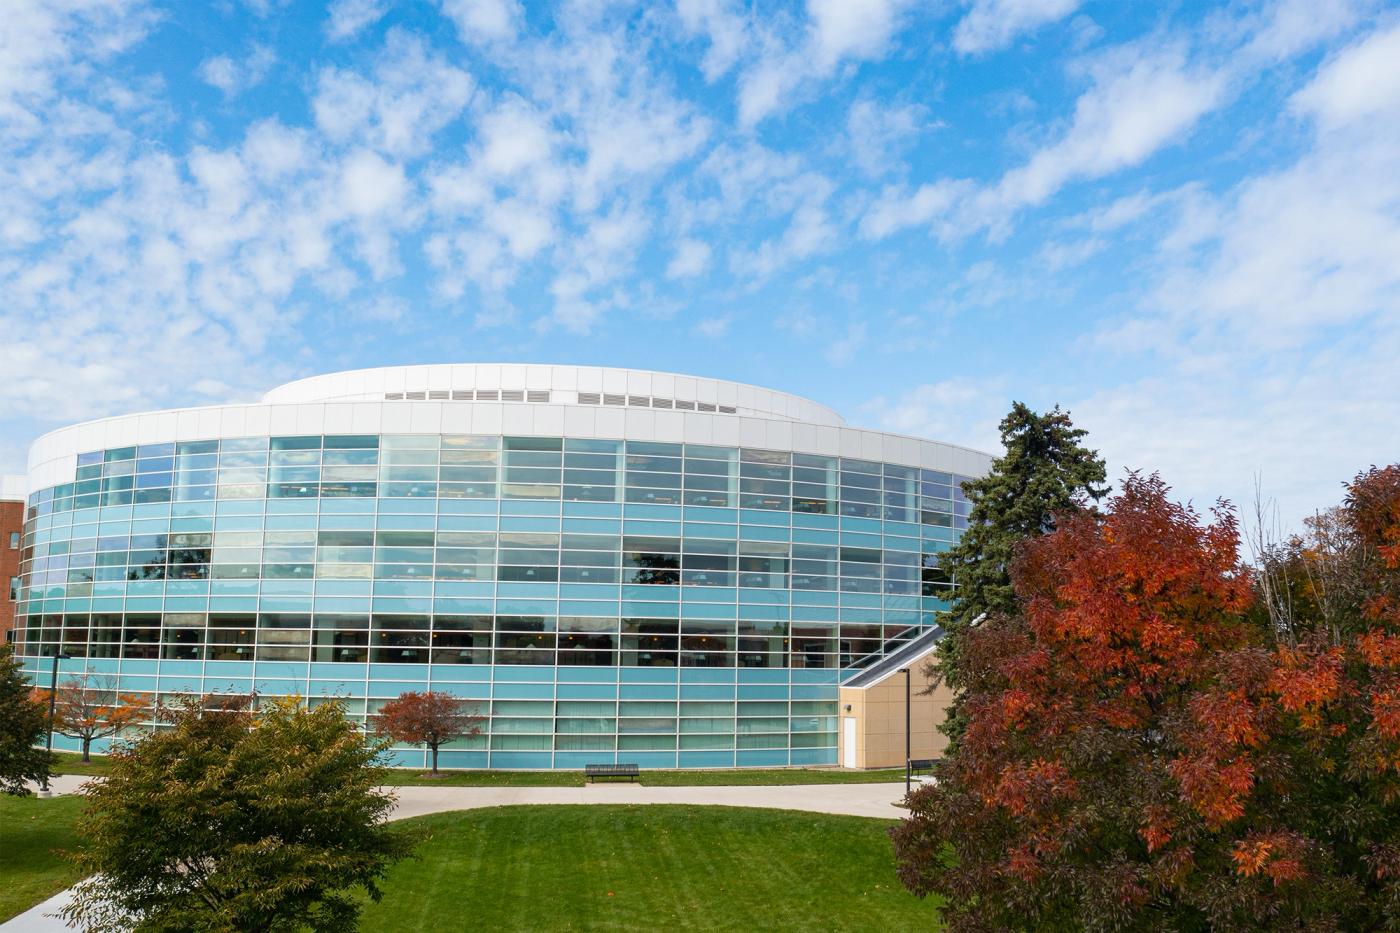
[71, 763]
[588, 867]
[596, 867]
[32, 832]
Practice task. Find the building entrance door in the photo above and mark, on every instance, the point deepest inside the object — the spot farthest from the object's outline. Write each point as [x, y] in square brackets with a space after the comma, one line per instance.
[848, 742]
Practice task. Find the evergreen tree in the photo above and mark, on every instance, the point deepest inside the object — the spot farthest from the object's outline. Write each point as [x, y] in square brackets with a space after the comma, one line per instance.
[22, 724]
[1045, 472]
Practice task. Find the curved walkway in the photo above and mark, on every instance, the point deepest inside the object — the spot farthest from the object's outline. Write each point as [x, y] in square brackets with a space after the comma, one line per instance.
[873, 800]
[876, 800]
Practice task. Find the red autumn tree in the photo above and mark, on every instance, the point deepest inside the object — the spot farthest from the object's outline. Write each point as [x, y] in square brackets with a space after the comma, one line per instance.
[90, 707]
[1146, 751]
[431, 719]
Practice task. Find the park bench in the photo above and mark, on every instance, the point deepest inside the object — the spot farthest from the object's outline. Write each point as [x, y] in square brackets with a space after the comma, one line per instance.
[921, 769]
[629, 771]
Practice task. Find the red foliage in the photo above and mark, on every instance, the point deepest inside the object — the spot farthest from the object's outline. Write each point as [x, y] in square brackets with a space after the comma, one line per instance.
[1146, 746]
[432, 719]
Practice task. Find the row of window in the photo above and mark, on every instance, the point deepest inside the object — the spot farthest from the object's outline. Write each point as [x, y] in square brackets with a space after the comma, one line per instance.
[417, 639]
[451, 467]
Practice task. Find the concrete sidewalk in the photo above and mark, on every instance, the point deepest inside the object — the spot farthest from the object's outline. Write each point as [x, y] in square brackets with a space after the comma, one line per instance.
[877, 800]
[874, 800]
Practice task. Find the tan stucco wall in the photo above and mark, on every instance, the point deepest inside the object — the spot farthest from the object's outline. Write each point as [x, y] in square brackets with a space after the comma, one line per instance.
[879, 714]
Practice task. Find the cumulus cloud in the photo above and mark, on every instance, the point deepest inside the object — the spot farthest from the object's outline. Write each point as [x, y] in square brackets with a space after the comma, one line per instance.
[409, 96]
[723, 23]
[714, 327]
[1362, 82]
[843, 349]
[877, 136]
[959, 411]
[232, 76]
[898, 208]
[1272, 321]
[349, 17]
[1142, 98]
[837, 31]
[691, 258]
[483, 21]
[989, 25]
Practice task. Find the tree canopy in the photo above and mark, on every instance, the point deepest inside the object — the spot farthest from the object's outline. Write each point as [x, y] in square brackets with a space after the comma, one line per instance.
[1146, 750]
[1046, 472]
[230, 820]
[22, 725]
[432, 719]
[91, 707]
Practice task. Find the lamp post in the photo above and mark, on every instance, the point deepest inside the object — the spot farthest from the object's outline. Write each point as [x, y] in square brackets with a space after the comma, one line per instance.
[53, 704]
[908, 738]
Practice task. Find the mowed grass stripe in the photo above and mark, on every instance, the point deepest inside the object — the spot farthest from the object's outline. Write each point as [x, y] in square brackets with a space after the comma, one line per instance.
[601, 867]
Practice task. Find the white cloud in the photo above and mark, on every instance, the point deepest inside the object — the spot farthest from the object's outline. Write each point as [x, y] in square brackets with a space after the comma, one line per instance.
[877, 136]
[723, 23]
[843, 350]
[1141, 101]
[234, 77]
[410, 96]
[691, 258]
[714, 327]
[1272, 323]
[43, 44]
[994, 24]
[369, 185]
[858, 29]
[837, 31]
[1303, 422]
[1285, 28]
[957, 411]
[897, 208]
[810, 229]
[482, 21]
[349, 17]
[603, 253]
[1362, 82]
[634, 135]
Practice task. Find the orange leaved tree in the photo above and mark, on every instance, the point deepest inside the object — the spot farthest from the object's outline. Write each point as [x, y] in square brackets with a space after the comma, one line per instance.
[1147, 749]
[431, 719]
[90, 707]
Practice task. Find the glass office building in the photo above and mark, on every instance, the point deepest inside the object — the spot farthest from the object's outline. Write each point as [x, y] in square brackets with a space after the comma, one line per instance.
[616, 565]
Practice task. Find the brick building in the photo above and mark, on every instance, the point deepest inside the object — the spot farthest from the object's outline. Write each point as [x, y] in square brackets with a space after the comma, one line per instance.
[11, 533]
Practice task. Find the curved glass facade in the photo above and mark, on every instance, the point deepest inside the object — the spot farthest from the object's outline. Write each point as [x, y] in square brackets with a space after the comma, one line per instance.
[676, 605]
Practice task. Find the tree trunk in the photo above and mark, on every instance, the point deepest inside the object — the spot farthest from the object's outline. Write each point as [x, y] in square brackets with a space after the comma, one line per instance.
[87, 747]
[434, 748]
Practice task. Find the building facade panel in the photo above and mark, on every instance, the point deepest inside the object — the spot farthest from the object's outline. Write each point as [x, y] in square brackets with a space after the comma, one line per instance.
[12, 502]
[611, 581]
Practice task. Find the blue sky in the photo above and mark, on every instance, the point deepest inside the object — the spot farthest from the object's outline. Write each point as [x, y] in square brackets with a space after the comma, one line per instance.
[1179, 220]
